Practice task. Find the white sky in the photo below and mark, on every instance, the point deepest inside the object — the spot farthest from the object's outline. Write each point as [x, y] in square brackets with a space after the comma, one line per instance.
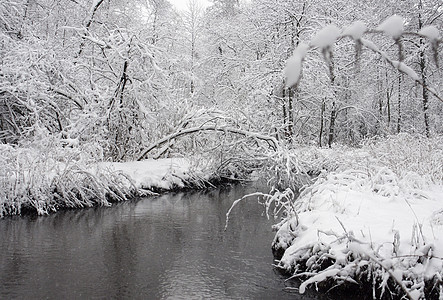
[182, 4]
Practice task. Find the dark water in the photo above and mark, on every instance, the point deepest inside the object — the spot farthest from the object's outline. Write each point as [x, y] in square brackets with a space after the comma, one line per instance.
[170, 247]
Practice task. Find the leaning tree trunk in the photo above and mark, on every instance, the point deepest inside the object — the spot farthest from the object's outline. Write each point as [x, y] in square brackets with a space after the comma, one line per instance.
[88, 24]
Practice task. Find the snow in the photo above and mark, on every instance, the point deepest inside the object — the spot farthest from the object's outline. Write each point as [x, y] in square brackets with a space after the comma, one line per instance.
[392, 26]
[430, 32]
[326, 37]
[382, 207]
[164, 173]
[373, 210]
[317, 278]
[402, 67]
[293, 67]
[405, 69]
[70, 142]
[355, 30]
[182, 5]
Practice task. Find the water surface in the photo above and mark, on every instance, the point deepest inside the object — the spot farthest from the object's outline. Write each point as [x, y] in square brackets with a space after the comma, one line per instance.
[168, 247]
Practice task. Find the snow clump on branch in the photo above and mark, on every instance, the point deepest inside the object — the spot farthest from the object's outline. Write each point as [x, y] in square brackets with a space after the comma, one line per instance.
[293, 67]
[355, 30]
[430, 32]
[326, 37]
[392, 26]
[405, 69]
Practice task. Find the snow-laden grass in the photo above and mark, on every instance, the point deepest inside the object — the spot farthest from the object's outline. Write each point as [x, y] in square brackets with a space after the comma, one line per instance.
[374, 217]
[44, 177]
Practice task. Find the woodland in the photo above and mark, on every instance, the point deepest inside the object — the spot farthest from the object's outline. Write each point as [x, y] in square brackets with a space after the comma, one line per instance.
[313, 96]
[116, 77]
[90, 81]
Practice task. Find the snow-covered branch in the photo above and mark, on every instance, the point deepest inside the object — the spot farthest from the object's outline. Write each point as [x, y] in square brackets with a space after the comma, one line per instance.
[273, 143]
[325, 39]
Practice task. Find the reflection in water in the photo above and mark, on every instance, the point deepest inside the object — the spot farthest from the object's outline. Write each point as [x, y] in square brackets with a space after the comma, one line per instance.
[169, 247]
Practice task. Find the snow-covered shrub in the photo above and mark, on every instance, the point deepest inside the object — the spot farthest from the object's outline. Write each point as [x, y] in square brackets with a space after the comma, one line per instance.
[299, 166]
[293, 168]
[46, 175]
[406, 153]
[374, 218]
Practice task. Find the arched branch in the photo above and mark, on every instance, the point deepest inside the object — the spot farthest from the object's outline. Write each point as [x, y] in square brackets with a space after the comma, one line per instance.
[270, 140]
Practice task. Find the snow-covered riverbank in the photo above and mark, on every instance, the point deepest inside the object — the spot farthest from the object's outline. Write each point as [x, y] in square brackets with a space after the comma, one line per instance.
[350, 226]
[159, 174]
[38, 181]
[376, 220]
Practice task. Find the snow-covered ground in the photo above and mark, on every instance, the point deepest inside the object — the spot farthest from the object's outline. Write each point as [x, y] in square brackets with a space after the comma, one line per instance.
[367, 222]
[50, 179]
[166, 173]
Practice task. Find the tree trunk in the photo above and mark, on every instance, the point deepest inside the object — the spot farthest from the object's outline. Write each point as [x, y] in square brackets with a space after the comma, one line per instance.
[424, 91]
[88, 24]
[388, 107]
[25, 15]
[285, 114]
[399, 104]
[422, 63]
[330, 61]
[322, 112]
[332, 125]
[290, 112]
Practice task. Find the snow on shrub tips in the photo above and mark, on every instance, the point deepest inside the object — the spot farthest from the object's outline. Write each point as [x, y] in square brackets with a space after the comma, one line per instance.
[371, 219]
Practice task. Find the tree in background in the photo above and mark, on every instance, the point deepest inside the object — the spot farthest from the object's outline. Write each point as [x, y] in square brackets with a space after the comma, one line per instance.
[122, 75]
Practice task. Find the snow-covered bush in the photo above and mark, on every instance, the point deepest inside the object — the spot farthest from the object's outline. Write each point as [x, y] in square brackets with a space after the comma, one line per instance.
[292, 168]
[406, 153]
[374, 219]
[47, 174]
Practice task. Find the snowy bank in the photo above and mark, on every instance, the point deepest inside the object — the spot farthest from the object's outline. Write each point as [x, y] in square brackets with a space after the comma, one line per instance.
[369, 225]
[46, 180]
[158, 174]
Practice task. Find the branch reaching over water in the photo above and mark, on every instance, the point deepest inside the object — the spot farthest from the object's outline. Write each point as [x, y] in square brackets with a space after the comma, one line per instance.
[237, 201]
[272, 142]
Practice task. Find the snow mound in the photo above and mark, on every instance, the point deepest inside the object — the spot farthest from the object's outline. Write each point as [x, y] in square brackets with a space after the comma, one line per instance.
[392, 26]
[373, 216]
[356, 218]
[149, 174]
[355, 30]
[326, 37]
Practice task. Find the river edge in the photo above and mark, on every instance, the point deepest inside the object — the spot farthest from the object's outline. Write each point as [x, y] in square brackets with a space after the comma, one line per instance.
[66, 186]
[368, 229]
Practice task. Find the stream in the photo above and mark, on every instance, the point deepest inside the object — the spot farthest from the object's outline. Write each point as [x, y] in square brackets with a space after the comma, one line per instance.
[169, 247]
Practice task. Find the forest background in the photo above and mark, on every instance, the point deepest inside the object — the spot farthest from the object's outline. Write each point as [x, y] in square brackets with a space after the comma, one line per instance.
[90, 81]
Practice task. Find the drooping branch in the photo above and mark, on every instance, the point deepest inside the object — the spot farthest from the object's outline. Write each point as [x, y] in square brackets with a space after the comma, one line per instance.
[270, 140]
[326, 37]
[400, 66]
